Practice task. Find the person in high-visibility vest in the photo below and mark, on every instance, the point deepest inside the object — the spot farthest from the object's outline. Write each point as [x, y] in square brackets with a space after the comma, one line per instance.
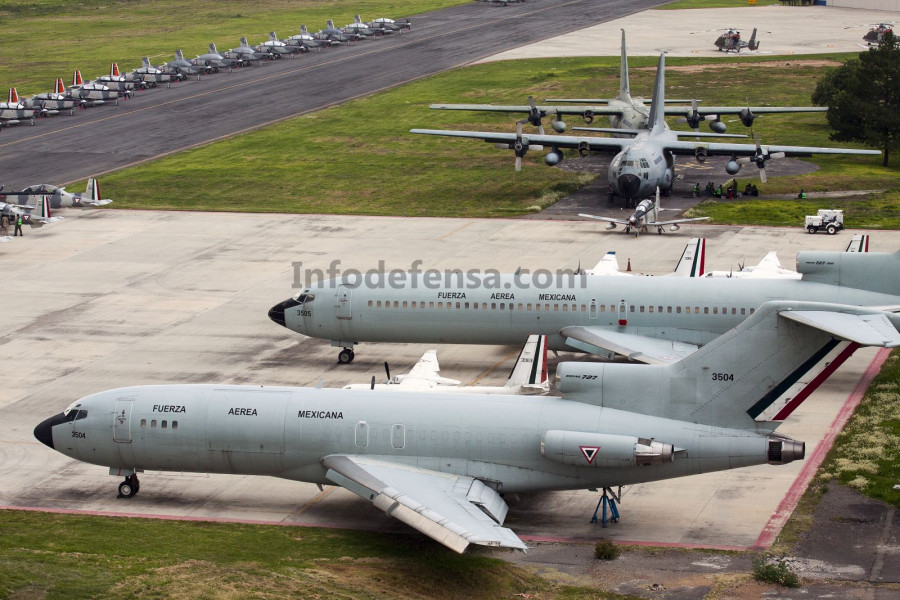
[18, 230]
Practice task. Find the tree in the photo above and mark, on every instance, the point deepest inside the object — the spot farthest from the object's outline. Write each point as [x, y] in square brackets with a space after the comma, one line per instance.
[863, 98]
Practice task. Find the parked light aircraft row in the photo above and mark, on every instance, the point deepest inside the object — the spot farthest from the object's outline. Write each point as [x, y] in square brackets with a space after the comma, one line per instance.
[117, 86]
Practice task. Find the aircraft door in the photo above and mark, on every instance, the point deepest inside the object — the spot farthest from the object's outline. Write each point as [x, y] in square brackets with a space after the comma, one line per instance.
[122, 420]
[362, 434]
[593, 311]
[342, 303]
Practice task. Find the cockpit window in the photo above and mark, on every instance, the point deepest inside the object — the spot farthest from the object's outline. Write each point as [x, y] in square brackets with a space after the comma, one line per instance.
[74, 413]
[82, 414]
[304, 296]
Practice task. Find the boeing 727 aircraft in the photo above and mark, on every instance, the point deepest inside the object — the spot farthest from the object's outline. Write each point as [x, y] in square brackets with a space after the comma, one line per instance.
[441, 464]
[656, 320]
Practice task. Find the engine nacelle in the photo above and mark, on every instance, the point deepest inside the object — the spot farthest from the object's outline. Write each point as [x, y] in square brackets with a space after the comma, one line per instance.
[718, 126]
[732, 167]
[747, 117]
[558, 126]
[603, 450]
[675, 227]
[783, 450]
[700, 154]
[610, 226]
[553, 158]
[588, 116]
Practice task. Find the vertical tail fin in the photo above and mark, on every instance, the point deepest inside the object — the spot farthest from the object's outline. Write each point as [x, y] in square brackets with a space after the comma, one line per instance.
[330, 24]
[693, 260]
[93, 190]
[624, 85]
[60, 88]
[529, 375]
[859, 243]
[752, 44]
[244, 43]
[357, 19]
[179, 55]
[212, 48]
[272, 37]
[145, 62]
[13, 96]
[658, 103]
[303, 30]
[76, 78]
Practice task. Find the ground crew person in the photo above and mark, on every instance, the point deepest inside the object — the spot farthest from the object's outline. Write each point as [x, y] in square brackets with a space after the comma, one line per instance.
[18, 230]
[4, 226]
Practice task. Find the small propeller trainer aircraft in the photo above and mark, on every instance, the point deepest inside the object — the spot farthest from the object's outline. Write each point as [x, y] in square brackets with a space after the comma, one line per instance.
[308, 40]
[645, 215]
[58, 196]
[528, 376]
[731, 41]
[443, 464]
[36, 216]
[92, 93]
[52, 103]
[13, 112]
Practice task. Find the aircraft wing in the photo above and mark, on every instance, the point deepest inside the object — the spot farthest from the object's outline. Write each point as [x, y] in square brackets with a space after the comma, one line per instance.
[736, 110]
[451, 509]
[560, 141]
[676, 221]
[866, 330]
[693, 134]
[96, 202]
[726, 149]
[640, 348]
[608, 265]
[426, 370]
[525, 108]
[607, 219]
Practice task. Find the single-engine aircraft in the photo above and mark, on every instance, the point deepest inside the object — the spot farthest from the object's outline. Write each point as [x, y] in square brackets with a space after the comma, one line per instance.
[308, 40]
[13, 112]
[186, 67]
[645, 215]
[442, 464]
[153, 76]
[245, 53]
[95, 94]
[36, 216]
[52, 103]
[387, 25]
[117, 81]
[528, 376]
[628, 112]
[213, 61]
[646, 161]
[58, 196]
[731, 41]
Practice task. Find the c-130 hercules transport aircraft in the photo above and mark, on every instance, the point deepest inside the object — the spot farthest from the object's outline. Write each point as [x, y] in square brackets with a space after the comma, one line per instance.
[441, 464]
[656, 320]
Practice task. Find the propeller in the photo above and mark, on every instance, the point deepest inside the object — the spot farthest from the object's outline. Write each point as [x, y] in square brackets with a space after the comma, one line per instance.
[761, 157]
[372, 385]
[520, 146]
[387, 371]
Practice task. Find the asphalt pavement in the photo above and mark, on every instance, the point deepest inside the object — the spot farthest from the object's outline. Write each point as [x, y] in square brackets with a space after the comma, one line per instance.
[156, 122]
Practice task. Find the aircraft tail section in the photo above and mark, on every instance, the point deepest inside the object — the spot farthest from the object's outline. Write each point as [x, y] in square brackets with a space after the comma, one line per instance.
[76, 78]
[114, 70]
[658, 102]
[529, 375]
[357, 19]
[145, 62]
[179, 55]
[624, 85]
[693, 260]
[212, 48]
[60, 88]
[752, 377]
[304, 30]
[330, 24]
[858, 243]
[93, 190]
[244, 43]
[752, 44]
[871, 271]
[273, 37]
[13, 96]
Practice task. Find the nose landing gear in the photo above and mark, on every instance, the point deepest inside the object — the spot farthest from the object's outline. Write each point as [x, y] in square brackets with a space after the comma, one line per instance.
[346, 356]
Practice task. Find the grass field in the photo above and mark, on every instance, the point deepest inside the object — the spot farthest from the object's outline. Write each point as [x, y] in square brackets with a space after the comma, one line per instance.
[46, 39]
[319, 163]
[686, 4]
[67, 556]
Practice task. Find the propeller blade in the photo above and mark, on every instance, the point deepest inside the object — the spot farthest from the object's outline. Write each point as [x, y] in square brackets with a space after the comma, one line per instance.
[387, 371]
[372, 386]
[518, 163]
[762, 175]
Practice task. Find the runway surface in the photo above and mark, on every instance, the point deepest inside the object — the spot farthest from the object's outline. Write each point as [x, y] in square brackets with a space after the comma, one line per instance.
[62, 149]
[105, 299]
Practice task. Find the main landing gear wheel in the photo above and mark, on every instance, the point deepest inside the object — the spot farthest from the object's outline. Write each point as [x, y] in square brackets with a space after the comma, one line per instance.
[346, 356]
[129, 487]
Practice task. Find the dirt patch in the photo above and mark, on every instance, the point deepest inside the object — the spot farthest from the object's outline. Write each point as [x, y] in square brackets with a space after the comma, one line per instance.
[778, 64]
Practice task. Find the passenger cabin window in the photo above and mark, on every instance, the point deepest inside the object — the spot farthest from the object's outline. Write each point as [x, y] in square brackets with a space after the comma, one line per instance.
[163, 425]
[174, 424]
[143, 422]
[153, 423]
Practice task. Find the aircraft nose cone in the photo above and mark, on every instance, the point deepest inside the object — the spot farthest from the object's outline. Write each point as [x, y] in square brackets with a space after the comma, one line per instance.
[276, 313]
[629, 185]
[44, 431]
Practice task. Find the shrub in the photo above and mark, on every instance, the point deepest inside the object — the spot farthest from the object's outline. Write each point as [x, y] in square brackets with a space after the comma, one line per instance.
[606, 550]
[776, 572]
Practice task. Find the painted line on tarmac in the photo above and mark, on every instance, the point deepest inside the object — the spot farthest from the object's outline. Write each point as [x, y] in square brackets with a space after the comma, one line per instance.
[798, 488]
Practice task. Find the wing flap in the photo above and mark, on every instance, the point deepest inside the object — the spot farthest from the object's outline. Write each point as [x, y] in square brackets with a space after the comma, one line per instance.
[451, 509]
[640, 348]
[866, 330]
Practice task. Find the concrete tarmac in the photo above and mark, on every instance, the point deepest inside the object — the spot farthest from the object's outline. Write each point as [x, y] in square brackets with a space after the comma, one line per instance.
[113, 298]
[156, 122]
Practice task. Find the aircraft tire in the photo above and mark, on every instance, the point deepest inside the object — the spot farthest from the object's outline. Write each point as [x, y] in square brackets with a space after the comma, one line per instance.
[346, 356]
[127, 489]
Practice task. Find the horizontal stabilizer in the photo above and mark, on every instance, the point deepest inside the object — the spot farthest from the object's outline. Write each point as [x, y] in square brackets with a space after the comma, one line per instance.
[451, 509]
[865, 330]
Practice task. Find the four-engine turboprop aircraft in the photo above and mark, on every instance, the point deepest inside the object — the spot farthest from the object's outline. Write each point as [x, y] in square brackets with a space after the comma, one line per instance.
[58, 196]
[627, 112]
[441, 465]
[528, 376]
[656, 320]
[646, 161]
[645, 215]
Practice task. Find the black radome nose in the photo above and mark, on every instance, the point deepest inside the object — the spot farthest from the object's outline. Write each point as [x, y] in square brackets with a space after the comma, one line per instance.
[44, 431]
[276, 313]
